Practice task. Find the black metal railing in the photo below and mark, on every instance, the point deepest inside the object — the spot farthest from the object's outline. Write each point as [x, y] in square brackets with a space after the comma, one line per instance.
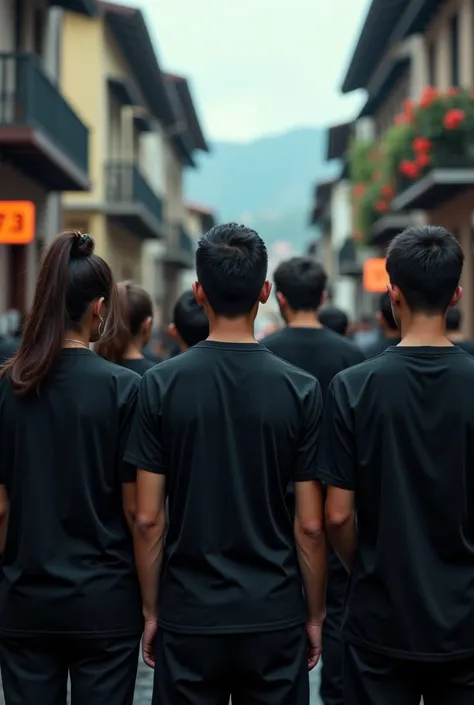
[126, 184]
[28, 97]
[185, 241]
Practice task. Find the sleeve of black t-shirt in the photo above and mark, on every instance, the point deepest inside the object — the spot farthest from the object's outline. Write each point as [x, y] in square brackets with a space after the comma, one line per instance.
[307, 453]
[127, 472]
[145, 444]
[337, 458]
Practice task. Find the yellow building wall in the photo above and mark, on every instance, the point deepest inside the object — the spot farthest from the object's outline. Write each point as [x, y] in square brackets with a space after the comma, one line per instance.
[84, 86]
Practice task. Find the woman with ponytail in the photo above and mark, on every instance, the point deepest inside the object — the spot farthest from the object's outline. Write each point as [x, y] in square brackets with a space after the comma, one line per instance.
[133, 331]
[69, 598]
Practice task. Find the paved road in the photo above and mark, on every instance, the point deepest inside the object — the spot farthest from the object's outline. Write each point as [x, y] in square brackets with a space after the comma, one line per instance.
[145, 685]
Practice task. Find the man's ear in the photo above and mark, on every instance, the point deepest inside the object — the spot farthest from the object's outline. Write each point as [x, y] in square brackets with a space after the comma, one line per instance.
[173, 331]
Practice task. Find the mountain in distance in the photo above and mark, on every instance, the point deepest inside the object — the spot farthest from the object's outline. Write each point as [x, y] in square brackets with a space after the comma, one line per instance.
[267, 183]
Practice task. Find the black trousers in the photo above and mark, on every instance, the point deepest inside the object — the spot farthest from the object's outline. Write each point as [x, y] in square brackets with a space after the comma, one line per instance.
[253, 669]
[375, 679]
[102, 671]
[332, 683]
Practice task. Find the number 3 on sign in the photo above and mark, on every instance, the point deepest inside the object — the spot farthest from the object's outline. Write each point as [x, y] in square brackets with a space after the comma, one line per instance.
[17, 222]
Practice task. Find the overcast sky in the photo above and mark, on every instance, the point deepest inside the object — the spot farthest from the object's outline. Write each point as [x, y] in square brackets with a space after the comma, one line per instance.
[259, 66]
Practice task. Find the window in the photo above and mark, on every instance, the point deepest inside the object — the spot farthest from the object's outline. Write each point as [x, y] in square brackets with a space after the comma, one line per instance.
[432, 64]
[454, 32]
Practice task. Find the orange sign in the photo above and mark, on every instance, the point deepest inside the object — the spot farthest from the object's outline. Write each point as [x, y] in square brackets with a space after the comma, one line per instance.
[17, 222]
[375, 277]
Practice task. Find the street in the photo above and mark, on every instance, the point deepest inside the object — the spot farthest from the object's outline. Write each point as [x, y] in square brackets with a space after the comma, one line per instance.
[145, 685]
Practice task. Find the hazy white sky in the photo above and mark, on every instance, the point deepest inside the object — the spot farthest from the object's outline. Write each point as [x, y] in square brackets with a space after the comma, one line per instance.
[259, 66]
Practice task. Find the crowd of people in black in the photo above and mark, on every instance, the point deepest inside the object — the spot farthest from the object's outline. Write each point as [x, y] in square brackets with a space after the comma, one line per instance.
[242, 507]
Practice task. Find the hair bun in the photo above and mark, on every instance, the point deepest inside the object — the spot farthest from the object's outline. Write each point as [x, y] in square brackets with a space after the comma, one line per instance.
[82, 245]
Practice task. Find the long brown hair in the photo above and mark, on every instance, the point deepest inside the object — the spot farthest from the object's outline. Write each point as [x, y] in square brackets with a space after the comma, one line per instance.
[135, 307]
[70, 278]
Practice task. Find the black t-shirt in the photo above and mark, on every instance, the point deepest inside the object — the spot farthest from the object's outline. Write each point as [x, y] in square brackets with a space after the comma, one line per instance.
[8, 347]
[68, 562]
[466, 345]
[323, 353]
[380, 346]
[229, 425]
[319, 351]
[399, 432]
[139, 365]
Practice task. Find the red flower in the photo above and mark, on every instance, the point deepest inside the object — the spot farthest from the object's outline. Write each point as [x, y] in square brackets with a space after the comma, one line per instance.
[400, 119]
[409, 169]
[359, 190]
[428, 96]
[421, 145]
[453, 92]
[409, 110]
[423, 160]
[387, 191]
[453, 119]
[382, 206]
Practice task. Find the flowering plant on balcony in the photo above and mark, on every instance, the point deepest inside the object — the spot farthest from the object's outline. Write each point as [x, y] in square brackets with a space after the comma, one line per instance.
[439, 131]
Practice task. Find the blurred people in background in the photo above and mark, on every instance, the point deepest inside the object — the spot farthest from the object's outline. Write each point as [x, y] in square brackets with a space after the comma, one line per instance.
[334, 318]
[300, 285]
[134, 330]
[8, 347]
[364, 332]
[69, 595]
[190, 323]
[389, 331]
[453, 330]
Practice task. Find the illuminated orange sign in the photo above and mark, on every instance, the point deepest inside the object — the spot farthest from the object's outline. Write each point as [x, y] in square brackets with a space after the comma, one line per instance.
[375, 277]
[17, 222]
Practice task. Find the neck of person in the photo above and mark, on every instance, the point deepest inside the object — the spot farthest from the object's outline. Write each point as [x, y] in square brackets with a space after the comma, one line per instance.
[76, 339]
[232, 330]
[419, 329]
[134, 350]
[303, 319]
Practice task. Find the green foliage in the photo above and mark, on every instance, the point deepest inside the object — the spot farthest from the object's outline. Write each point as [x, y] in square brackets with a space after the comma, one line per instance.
[361, 163]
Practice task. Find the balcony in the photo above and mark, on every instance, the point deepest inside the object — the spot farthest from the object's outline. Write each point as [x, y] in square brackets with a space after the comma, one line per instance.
[349, 258]
[40, 133]
[132, 202]
[385, 228]
[181, 248]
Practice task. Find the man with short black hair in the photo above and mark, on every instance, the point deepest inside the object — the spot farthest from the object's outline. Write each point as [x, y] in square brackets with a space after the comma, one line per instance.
[190, 324]
[398, 452]
[334, 318]
[454, 332]
[222, 430]
[390, 333]
[300, 285]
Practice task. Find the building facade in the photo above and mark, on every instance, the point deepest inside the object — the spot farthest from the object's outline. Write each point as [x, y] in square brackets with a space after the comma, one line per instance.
[44, 142]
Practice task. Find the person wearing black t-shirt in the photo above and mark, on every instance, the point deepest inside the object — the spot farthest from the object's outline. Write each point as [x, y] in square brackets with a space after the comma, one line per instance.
[190, 323]
[453, 330]
[390, 333]
[133, 331]
[300, 284]
[334, 318]
[69, 594]
[221, 430]
[398, 456]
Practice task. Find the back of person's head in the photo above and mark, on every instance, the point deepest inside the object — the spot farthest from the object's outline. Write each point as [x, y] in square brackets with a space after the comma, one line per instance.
[424, 265]
[75, 291]
[386, 318]
[453, 320]
[334, 318]
[300, 283]
[190, 323]
[135, 322]
[231, 266]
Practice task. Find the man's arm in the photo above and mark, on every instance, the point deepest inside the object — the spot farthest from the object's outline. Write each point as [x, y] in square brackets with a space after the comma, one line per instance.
[150, 526]
[4, 506]
[341, 524]
[311, 547]
[337, 469]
